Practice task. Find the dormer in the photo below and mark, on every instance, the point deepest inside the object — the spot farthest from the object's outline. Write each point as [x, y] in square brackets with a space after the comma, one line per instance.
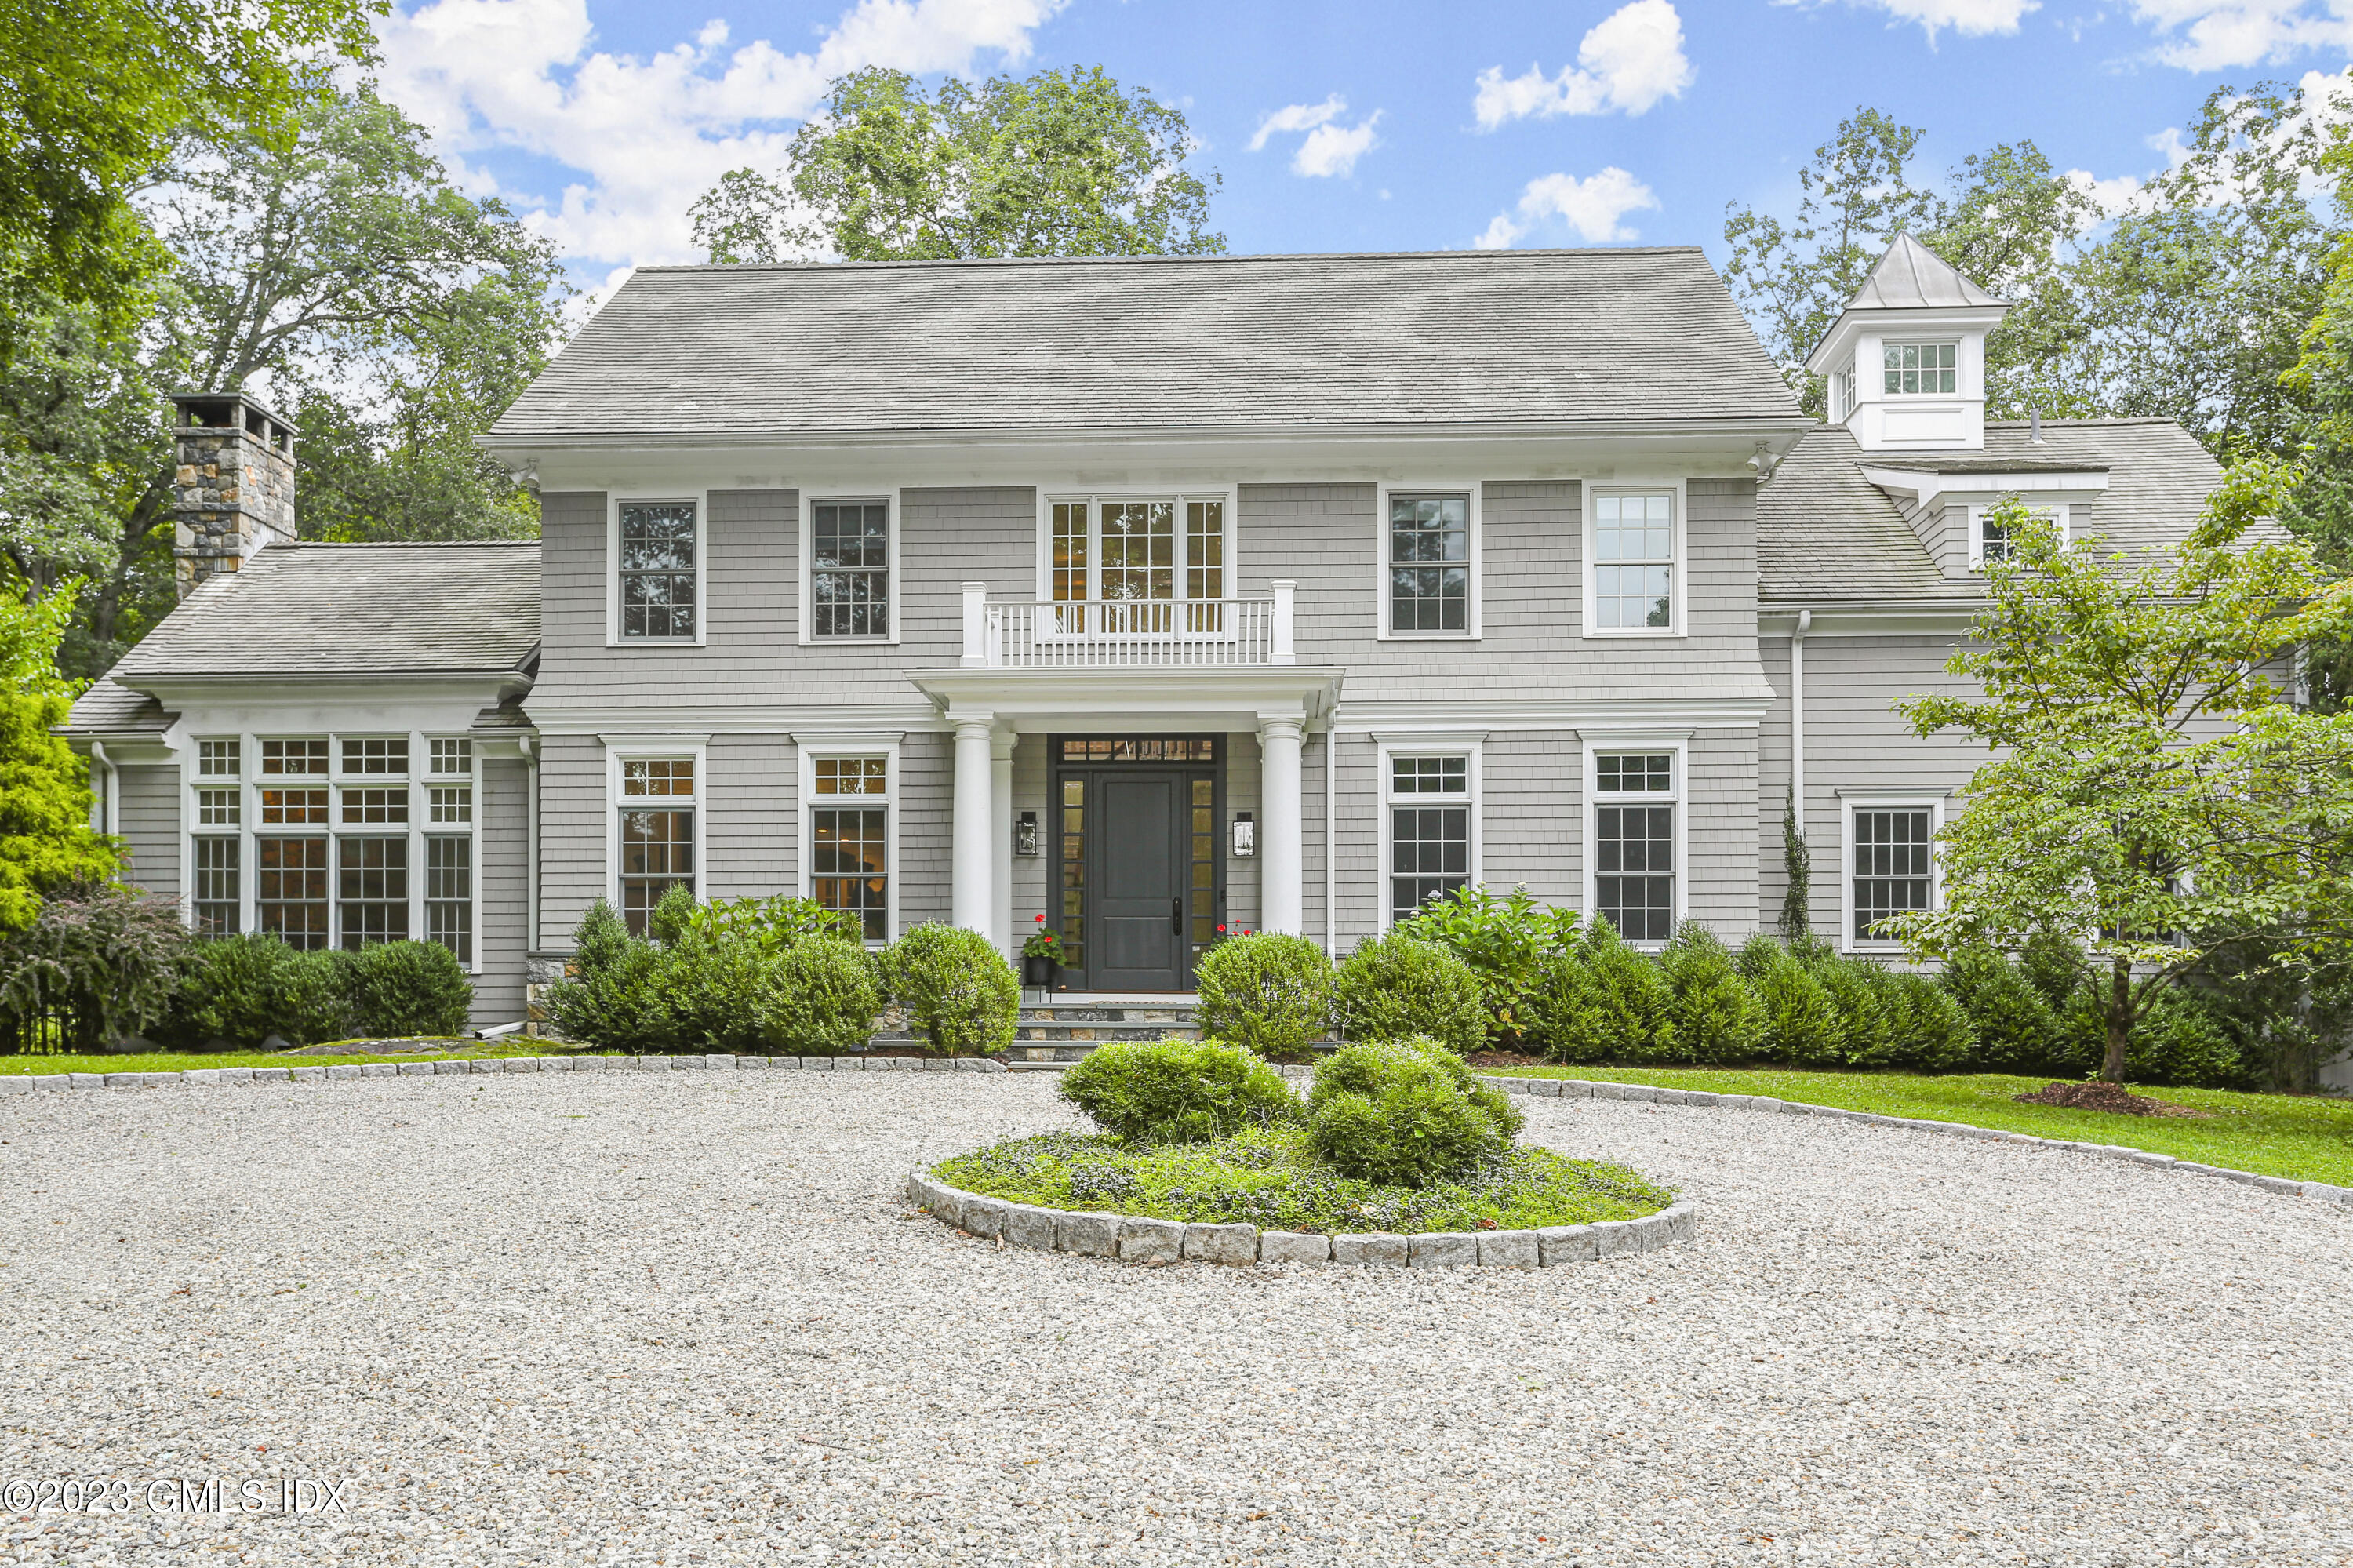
[1946, 501]
[1905, 359]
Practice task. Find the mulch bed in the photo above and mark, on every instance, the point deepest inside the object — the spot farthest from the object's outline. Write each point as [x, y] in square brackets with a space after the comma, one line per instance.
[2104, 1097]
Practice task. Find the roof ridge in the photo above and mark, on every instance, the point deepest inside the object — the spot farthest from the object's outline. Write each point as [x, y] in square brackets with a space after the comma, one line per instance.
[1205, 257]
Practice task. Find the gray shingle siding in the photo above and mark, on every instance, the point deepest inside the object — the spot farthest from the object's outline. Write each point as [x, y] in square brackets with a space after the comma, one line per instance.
[1532, 814]
[573, 836]
[149, 801]
[752, 803]
[502, 893]
[1720, 839]
[926, 798]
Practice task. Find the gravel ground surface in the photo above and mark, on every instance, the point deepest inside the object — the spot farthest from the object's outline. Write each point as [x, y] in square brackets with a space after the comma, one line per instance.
[637, 1318]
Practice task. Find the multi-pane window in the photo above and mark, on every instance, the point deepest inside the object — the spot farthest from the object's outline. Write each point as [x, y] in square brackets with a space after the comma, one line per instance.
[450, 894]
[289, 888]
[1633, 561]
[657, 839]
[1430, 829]
[218, 808]
[1139, 554]
[1919, 369]
[1634, 844]
[1139, 560]
[372, 806]
[447, 804]
[293, 808]
[218, 897]
[446, 757]
[218, 759]
[371, 890]
[850, 866]
[657, 567]
[849, 568]
[383, 756]
[1430, 563]
[1204, 549]
[1891, 865]
[1997, 537]
[302, 758]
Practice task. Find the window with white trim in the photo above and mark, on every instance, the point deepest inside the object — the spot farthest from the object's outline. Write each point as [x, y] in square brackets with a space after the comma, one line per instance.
[659, 550]
[1892, 866]
[850, 839]
[1991, 539]
[299, 758]
[450, 893]
[1137, 567]
[1919, 369]
[449, 804]
[1432, 828]
[372, 888]
[1634, 843]
[450, 757]
[387, 755]
[217, 890]
[1634, 561]
[219, 759]
[1430, 563]
[289, 885]
[656, 833]
[849, 568]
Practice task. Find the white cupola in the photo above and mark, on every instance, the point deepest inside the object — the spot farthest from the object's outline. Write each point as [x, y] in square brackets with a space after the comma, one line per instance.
[1905, 359]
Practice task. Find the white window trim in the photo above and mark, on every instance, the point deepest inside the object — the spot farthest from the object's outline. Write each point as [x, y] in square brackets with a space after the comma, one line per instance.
[1850, 802]
[813, 749]
[1956, 342]
[1436, 743]
[806, 543]
[1048, 494]
[1382, 631]
[614, 500]
[1599, 743]
[2058, 509]
[1677, 580]
[619, 749]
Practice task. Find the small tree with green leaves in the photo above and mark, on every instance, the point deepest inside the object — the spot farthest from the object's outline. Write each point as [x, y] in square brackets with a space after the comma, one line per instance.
[1797, 873]
[2154, 789]
[46, 839]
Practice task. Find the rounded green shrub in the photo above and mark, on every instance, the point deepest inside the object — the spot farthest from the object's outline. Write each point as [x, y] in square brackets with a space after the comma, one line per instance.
[1851, 983]
[1411, 1134]
[244, 990]
[1598, 1000]
[821, 997]
[1372, 1067]
[1178, 1091]
[1801, 1025]
[2176, 1039]
[1395, 987]
[1269, 991]
[1937, 1036]
[959, 992]
[711, 985]
[400, 989]
[2013, 1026]
[611, 996]
[1711, 1013]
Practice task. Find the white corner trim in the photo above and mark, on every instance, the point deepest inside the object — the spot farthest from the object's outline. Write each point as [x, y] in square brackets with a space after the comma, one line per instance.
[613, 501]
[1678, 583]
[805, 551]
[1475, 523]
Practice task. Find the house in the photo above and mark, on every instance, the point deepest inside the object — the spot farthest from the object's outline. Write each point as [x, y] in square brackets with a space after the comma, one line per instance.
[1156, 595]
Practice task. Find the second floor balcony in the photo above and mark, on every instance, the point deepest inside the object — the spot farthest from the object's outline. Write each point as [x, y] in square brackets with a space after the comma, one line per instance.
[1032, 634]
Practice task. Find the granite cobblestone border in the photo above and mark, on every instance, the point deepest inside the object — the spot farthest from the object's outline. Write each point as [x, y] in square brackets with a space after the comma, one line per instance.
[1131, 1238]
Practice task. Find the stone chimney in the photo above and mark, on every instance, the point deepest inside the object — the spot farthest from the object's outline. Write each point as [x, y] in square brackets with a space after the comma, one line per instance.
[232, 483]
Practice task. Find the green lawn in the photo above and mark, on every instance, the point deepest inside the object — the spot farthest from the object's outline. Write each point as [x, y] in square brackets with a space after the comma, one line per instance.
[181, 1061]
[2302, 1138]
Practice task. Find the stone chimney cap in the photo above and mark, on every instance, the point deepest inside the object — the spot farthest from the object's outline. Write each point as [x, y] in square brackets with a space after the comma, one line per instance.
[231, 411]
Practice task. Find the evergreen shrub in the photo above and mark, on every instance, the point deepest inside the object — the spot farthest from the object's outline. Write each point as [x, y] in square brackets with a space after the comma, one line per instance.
[1267, 991]
[1801, 1023]
[240, 990]
[2178, 1038]
[959, 990]
[1405, 1113]
[1853, 987]
[2013, 1026]
[612, 992]
[821, 997]
[1599, 999]
[1178, 1091]
[713, 984]
[401, 988]
[96, 964]
[1711, 1015]
[1395, 987]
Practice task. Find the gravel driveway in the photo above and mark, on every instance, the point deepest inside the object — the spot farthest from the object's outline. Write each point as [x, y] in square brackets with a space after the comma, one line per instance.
[629, 1318]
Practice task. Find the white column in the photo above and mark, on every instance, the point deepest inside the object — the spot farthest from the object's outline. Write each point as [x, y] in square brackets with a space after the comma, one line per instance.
[1281, 864]
[1000, 811]
[974, 896]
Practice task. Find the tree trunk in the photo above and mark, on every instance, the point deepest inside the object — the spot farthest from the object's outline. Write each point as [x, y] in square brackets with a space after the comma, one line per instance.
[2120, 1022]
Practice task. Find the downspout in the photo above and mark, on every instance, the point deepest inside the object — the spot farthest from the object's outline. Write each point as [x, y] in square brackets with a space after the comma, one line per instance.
[531, 833]
[1331, 833]
[1797, 717]
[109, 800]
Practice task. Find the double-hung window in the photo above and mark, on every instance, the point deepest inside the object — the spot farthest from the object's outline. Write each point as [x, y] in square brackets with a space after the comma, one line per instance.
[850, 839]
[1919, 369]
[1429, 588]
[657, 833]
[290, 849]
[658, 551]
[1634, 804]
[371, 864]
[450, 846]
[215, 882]
[1138, 568]
[1891, 863]
[1431, 807]
[849, 568]
[1632, 581]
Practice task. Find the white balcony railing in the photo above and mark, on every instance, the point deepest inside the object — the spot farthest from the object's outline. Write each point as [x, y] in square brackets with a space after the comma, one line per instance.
[1126, 633]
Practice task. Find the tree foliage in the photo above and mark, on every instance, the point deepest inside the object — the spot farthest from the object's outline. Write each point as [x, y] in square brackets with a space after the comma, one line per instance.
[1059, 163]
[46, 839]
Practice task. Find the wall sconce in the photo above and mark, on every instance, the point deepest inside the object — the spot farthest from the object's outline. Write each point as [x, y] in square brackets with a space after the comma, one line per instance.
[1245, 836]
[1025, 833]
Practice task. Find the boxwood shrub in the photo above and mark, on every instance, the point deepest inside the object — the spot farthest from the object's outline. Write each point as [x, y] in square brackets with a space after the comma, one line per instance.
[399, 988]
[821, 997]
[1267, 991]
[959, 990]
[1397, 987]
[1178, 1091]
[1405, 1113]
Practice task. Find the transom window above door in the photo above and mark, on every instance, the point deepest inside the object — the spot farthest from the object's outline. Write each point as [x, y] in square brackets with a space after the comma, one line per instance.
[1140, 558]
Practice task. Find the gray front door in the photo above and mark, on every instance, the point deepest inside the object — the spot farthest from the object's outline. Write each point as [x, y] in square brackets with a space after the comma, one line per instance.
[1137, 879]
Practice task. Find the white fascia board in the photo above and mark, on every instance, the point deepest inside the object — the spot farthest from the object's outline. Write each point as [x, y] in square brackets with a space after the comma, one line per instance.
[1932, 490]
[1036, 702]
[1838, 345]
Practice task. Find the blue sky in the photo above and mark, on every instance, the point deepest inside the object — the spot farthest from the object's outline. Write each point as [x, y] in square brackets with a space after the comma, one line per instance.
[1357, 126]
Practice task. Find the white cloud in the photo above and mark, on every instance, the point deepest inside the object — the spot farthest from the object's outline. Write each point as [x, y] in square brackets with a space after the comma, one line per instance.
[1970, 19]
[2112, 197]
[646, 136]
[1629, 61]
[1297, 117]
[2215, 35]
[1592, 206]
[1330, 148]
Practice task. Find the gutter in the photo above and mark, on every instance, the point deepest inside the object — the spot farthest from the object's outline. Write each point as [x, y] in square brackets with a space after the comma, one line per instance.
[110, 798]
[529, 743]
[1797, 717]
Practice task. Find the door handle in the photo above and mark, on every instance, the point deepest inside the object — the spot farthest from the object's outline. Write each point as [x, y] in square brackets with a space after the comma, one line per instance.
[1176, 915]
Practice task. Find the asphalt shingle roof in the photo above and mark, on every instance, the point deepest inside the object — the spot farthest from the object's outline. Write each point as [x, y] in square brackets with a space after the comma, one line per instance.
[106, 708]
[1155, 343]
[354, 610]
[1826, 534]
